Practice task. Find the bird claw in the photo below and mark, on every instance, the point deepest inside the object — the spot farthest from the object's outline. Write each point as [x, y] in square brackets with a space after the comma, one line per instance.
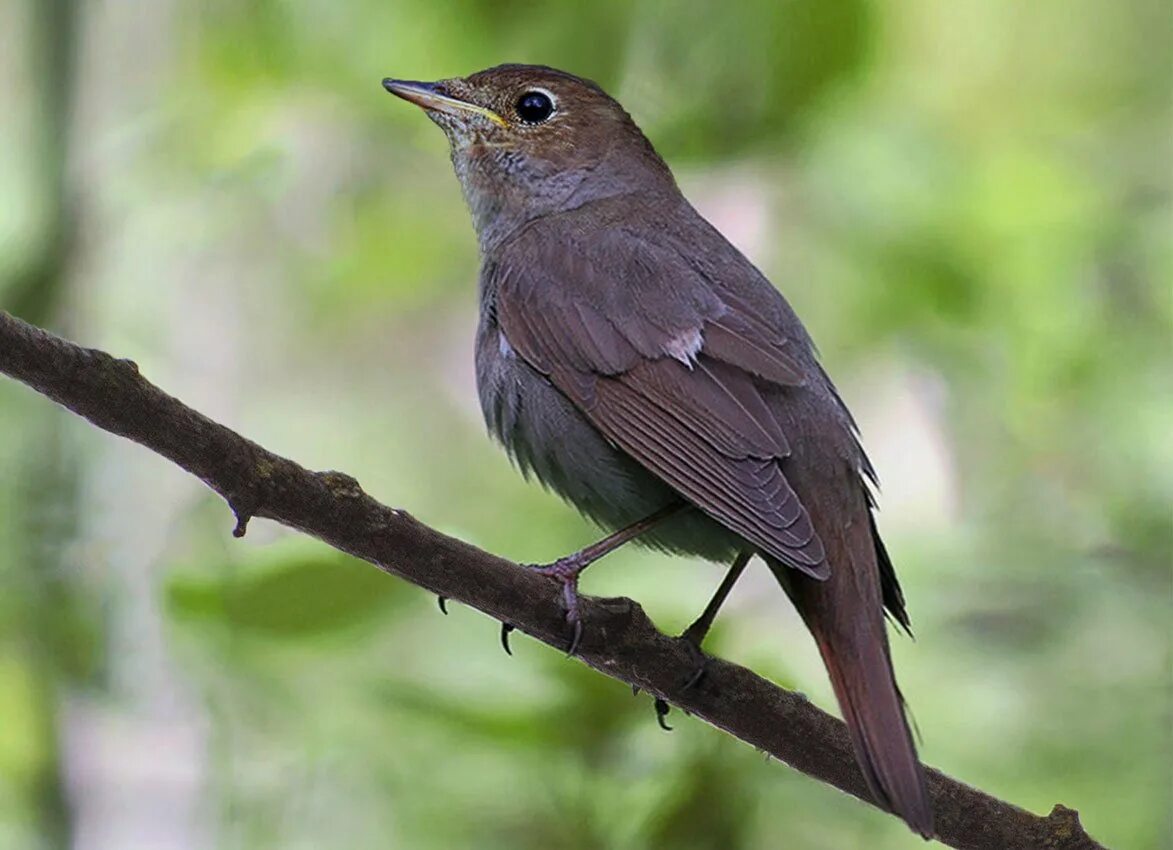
[575, 637]
[662, 709]
[442, 601]
[566, 571]
[696, 677]
[506, 628]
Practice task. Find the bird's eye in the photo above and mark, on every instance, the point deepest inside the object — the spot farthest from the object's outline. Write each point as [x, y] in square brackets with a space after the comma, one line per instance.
[534, 107]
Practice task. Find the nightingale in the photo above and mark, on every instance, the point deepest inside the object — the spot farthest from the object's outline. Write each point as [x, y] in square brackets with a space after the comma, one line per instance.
[637, 364]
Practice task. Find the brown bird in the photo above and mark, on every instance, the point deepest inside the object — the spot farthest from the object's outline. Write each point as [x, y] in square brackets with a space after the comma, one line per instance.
[635, 362]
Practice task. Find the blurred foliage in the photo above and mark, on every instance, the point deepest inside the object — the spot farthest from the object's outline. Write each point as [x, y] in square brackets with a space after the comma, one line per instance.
[969, 203]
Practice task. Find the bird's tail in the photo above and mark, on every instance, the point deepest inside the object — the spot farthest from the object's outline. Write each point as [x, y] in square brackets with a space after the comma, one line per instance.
[849, 630]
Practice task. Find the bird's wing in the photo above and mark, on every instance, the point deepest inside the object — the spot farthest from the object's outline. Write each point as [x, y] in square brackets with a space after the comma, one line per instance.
[665, 368]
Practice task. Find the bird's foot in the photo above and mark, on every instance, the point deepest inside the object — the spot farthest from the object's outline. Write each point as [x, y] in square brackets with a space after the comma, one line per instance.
[566, 571]
[693, 637]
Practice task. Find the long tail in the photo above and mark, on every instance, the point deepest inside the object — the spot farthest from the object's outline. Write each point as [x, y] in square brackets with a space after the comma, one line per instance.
[848, 626]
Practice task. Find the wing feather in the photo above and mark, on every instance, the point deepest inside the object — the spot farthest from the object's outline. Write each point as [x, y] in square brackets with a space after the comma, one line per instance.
[693, 415]
[750, 496]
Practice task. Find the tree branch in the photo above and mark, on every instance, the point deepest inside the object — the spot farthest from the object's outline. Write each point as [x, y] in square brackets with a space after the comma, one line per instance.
[620, 640]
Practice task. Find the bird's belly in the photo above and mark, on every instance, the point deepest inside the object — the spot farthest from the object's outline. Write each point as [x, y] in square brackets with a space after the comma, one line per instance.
[548, 438]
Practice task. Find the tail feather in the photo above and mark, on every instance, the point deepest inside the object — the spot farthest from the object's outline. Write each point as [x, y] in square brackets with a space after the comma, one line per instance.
[848, 628]
[874, 712]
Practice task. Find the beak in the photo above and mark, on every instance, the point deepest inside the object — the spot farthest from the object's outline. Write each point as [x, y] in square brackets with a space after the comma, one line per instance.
[429, 96]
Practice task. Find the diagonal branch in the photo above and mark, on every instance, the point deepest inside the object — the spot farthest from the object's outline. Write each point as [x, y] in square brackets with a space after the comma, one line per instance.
[621, 641]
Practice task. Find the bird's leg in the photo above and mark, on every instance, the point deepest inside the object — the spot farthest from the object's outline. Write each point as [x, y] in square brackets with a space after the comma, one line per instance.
[695, 634]
[568, 569]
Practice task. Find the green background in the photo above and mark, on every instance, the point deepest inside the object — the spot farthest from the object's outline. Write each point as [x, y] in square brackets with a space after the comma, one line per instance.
[967, 202]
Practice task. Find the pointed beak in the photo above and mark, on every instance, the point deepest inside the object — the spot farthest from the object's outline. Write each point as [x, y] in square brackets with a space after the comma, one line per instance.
[430, 96]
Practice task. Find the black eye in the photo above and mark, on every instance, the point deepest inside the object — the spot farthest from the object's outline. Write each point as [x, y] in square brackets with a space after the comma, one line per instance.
[534, 107]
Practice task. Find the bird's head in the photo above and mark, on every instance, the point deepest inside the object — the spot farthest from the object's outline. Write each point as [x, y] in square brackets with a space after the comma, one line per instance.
[527, 140]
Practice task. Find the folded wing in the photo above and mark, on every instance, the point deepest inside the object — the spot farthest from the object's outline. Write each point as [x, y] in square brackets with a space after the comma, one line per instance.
[666, 369]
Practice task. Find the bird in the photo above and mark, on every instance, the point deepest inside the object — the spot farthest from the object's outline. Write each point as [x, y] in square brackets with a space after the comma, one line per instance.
[636, 363]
